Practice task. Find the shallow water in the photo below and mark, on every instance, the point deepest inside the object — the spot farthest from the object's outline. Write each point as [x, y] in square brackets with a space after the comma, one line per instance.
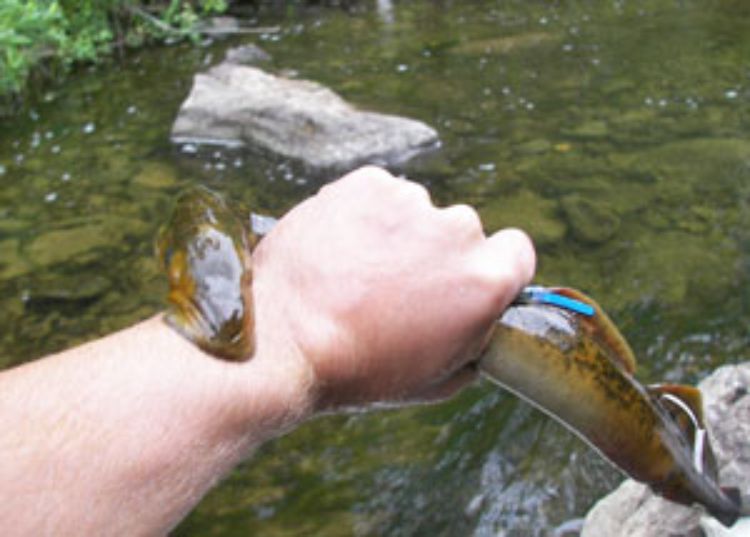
[615, 133]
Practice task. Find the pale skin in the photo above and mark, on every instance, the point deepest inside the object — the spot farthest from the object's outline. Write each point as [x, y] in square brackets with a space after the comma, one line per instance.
[365, 293]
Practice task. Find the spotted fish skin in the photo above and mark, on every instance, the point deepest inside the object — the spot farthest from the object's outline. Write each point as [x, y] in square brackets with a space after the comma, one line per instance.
[579, 370]
[562, 354]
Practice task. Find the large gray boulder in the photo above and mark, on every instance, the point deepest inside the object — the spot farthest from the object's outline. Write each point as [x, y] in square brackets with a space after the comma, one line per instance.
[634, 511]
[236, 104]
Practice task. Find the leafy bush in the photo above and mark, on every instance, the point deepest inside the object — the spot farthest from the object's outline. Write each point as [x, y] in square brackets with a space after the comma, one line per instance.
[29, 32]
[66, 31]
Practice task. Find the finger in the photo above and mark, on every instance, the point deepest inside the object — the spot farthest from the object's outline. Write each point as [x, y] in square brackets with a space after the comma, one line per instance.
[506, 262]
[416, 191]
[463, 219]
[515, 248]
[501, 266]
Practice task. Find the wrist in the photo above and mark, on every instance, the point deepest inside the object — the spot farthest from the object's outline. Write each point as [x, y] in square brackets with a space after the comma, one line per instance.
[273, 392]
[276, 388]
[235, 405]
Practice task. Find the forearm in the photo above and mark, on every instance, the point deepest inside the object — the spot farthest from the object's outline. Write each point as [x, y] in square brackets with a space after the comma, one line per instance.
[125, 434]
[365, 292]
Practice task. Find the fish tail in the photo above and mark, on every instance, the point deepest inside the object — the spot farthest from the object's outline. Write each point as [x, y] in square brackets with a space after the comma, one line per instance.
[732, 510]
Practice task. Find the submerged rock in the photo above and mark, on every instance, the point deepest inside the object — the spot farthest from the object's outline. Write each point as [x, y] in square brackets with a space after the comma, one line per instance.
[505, 44]
[590, 130]
[527, 210]
[11, 262]
[81, 241]
[634, 511]
[70, 289]
[702, 269]
[249, 54]
[237, 105]
[63, 245]
[156, 175]
[590, 222]
[537, 146]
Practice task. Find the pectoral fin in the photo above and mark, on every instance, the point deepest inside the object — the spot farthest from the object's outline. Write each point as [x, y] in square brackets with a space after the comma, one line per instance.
[688, 395]
[685, 405]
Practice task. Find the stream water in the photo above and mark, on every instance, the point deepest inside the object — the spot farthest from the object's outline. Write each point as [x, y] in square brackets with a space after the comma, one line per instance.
[615, 132]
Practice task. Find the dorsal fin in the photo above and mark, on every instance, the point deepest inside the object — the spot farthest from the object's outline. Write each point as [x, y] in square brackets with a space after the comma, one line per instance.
[685, 405]
[603, 330]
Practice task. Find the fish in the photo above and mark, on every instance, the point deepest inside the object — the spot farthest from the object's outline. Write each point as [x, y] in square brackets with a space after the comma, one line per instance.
[557, 349]
[205, 250]
[553, 346]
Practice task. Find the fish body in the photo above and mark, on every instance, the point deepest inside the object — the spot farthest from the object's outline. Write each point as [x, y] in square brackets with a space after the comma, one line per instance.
[554, 347]
[204, 249]
[579, 369]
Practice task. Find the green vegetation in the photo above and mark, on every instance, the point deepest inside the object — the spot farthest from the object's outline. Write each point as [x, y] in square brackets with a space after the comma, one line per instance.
[48, 35]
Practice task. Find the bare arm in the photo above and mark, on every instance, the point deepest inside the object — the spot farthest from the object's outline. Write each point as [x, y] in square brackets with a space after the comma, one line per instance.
[366, 292]
[122, 436]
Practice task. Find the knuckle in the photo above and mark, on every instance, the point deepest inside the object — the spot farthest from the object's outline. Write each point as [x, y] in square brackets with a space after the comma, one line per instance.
[370, 176]
[416, 191]
[465, 218]
[361, 179]
[505, 264]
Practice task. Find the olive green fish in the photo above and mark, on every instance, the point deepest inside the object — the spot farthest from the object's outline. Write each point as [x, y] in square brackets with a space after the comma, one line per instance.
[204, 249]
[568, 359]
[554, 347]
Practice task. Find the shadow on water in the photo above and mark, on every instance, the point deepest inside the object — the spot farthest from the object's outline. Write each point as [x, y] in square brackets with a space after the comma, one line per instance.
[615, 133]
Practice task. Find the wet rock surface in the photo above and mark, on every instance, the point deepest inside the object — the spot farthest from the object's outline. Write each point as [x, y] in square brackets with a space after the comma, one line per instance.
[59, 289]
[540, 213]
[590, 222]
[80, 240]
[249, 54]
[11, 264]
[240, 105]
[634, 511]
[156, 175]
[506, 44]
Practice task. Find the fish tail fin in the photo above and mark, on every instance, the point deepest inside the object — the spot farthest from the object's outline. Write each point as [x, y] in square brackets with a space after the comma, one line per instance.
[734, 494]
[729, 516]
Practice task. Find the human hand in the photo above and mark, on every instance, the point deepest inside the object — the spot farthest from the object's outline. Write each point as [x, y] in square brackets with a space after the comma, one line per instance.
[379, 294]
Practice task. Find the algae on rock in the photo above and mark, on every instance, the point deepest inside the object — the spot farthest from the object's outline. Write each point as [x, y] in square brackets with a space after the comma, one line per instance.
[526, 210]
[590, 222]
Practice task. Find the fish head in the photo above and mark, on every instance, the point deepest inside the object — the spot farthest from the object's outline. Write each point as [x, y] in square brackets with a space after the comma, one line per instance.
[205, 251]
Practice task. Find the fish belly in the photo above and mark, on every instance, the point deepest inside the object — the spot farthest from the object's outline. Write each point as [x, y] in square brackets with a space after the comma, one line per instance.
[588, 395]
